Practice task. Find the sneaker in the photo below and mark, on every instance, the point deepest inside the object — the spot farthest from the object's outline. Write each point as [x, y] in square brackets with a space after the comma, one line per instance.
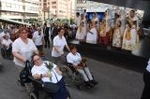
[94, 82]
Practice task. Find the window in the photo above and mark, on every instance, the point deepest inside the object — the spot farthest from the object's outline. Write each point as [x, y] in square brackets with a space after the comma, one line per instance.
[81, 1]
[54, 2]
[54, 7]
[8, 5]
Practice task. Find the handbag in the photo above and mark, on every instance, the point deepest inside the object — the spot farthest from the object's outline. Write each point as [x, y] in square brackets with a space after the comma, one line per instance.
[51, 87]
[25, 73]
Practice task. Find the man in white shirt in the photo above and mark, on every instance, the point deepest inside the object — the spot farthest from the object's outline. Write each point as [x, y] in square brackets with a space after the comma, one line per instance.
[38, 39]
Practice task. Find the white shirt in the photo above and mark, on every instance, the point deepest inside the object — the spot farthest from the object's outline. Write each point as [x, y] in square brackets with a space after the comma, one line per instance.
[92, 36]
[38, 38]
[60, 43]
[26, 50]
[43, 69]
[2, 34]
[7, 42]
[148, 66]
[74, 59]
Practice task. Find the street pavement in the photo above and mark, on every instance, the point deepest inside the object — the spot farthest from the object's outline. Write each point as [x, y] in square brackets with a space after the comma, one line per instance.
[114, 82]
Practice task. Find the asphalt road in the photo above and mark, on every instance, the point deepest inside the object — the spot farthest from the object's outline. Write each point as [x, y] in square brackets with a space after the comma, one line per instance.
[114, 83]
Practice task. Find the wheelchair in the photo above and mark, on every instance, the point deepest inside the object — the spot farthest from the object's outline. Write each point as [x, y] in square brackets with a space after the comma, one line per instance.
[6, 53]
[73, 77]
[36, 88]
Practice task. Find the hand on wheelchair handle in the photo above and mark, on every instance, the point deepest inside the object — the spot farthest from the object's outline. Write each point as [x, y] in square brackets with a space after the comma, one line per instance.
[27, 61]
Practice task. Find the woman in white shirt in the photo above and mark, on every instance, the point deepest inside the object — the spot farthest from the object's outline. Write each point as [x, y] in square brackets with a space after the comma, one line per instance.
[59, 42]
[76, 60]
[49, 72]
[22, 49]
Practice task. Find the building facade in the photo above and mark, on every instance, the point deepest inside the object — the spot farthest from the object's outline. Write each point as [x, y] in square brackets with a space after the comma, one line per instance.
[60, 9]
[81, 5]
[19, 9]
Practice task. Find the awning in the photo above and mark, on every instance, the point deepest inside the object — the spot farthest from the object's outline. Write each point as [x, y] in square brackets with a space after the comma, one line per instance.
[13, 21]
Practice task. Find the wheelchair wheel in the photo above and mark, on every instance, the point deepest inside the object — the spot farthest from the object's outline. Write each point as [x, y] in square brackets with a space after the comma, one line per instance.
[33, 96]
[67, 73]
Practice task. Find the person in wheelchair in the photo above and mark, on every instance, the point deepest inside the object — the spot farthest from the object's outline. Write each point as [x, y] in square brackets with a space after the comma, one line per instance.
[49, 73]
[79, 64]
[7, 45]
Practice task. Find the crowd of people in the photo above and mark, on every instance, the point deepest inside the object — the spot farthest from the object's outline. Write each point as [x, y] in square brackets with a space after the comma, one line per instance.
[27, 41]
[120, 30]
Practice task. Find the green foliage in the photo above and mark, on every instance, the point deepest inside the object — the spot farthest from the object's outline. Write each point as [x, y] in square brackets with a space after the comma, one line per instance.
[49, 65]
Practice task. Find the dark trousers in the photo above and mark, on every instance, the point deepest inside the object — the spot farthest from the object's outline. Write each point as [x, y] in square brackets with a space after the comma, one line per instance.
[59, 60]
[47, 41]
[62, 93]
[146, 90]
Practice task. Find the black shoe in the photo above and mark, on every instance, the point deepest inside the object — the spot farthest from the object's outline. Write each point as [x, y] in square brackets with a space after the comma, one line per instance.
[88, 83]
[94, 82]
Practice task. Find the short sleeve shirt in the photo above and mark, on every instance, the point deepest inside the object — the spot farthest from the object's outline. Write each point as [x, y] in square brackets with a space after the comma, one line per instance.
[60, 43]
[43, 69]
[7, 42]
[37, 38]
[26, 50]
[75, 59]
[2, 34]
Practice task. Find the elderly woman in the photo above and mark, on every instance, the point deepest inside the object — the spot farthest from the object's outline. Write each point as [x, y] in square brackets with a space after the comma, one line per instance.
[23, 48]
[7, 42]
[76, 60]
[49, 72]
